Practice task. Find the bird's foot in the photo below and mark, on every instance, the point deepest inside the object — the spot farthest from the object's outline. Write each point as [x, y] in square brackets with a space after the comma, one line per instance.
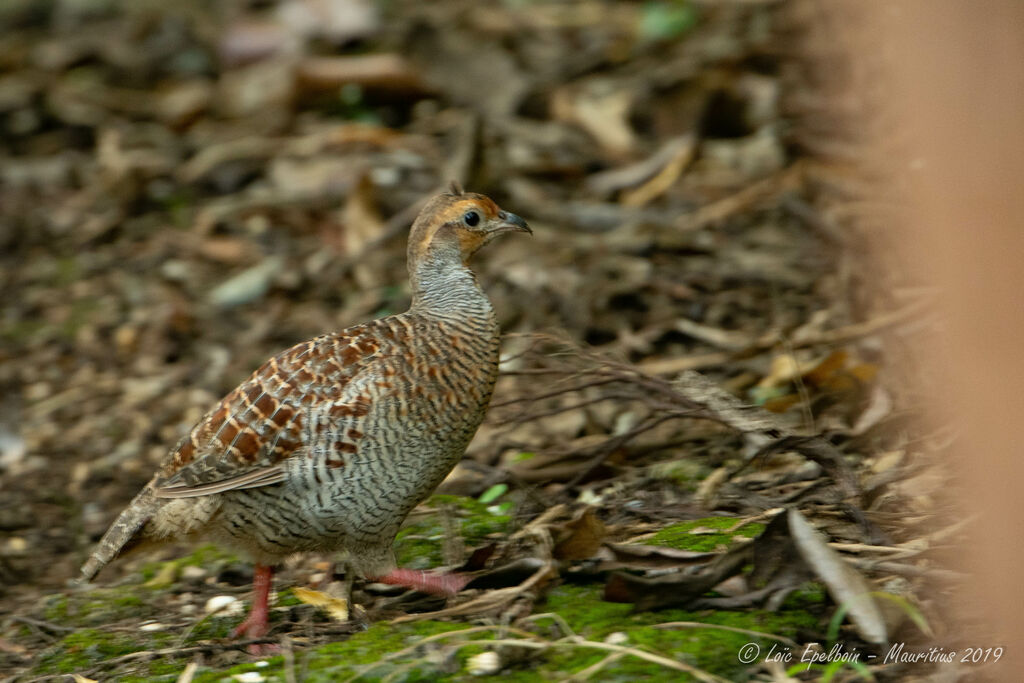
[437, 584]
[256, 625]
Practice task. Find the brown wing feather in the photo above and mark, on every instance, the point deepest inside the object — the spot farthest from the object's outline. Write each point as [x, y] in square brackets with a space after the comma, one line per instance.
[240, 443]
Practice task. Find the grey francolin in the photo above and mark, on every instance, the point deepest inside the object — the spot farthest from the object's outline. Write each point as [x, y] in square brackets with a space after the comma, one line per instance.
[330, 444]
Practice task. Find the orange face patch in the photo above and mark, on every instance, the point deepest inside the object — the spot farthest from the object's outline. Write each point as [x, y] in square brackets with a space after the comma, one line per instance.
[469, 240]
[455, 212]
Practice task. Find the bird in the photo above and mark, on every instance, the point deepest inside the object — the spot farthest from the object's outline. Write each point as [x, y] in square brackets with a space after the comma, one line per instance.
[327, 446]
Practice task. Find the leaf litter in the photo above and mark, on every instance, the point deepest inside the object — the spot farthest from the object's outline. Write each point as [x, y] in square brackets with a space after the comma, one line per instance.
[185, 191]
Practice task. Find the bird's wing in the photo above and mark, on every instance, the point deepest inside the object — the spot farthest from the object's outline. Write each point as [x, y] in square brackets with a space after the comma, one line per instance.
[244, 441]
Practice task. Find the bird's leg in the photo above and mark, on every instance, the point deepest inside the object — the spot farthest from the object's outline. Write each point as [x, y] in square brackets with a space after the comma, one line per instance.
[438, 584]
[346, 587]
[323, 583]
[257, 623]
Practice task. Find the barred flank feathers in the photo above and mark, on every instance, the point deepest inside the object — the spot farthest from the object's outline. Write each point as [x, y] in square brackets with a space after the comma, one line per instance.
[121, 532]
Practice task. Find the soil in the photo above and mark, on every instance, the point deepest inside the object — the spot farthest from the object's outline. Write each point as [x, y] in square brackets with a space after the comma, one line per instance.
[188, 188]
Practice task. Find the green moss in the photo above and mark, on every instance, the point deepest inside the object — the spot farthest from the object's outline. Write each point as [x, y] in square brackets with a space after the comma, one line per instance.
[365, 653]
[55, 608]
[373, 654]
[286, 598]
[418, 545]
[682, 536]
[82, 649]
[214, 627]
[95, 608]
[811, 595]
[684, 472]
[209, 557]
[709, 648]
[396, 652]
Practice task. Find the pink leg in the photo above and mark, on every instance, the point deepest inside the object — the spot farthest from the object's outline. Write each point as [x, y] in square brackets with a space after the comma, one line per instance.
[438, 584]
[256, 624]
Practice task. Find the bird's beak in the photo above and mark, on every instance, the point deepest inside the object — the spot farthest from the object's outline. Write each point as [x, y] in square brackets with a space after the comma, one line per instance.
[510, 223]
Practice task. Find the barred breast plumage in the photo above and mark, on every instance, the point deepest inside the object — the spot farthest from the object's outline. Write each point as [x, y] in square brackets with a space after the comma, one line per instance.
[330, 444]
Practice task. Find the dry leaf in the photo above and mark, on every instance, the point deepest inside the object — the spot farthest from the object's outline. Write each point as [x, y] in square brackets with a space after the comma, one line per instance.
[636, 557]
[826, 369]
[602, 109]
[336, 608]
[844, 583]
[784, 369]
[663, 180]
[580, 538]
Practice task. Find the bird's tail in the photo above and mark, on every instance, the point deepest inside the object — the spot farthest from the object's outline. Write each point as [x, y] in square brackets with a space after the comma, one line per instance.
[122, 534]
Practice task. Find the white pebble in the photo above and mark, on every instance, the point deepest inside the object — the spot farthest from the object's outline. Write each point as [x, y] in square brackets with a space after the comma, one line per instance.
[223, 605]
[152, 626]
[193, 573]
[484, 664]
[249, 677]
[617, 638]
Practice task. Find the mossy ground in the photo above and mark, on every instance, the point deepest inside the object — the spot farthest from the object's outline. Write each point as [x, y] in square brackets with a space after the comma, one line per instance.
[704, 535]
[389, 652]
[419, 543]
[107, 623]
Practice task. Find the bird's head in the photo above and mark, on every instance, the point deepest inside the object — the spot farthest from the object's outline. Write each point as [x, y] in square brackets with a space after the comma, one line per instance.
[453, 225]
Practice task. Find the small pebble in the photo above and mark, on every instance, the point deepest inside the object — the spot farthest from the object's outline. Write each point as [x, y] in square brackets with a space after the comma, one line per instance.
[223, 605]
[484, 664]
[250, 677]
[617, 638]
[15, 545]
[193, 573]
[152, 626]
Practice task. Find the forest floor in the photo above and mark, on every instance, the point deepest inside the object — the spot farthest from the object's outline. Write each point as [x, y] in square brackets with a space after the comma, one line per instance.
[694, 366]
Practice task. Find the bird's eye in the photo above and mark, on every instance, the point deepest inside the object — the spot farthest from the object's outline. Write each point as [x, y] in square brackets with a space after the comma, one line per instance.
[471, 218]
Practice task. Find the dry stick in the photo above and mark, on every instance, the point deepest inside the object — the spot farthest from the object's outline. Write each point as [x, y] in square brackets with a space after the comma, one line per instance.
[699, 674]
[577, 641]
[188, 673]
[440, 636]
[556, 392]
[858, 547]
[530, 417]
[288, 654]
[744, 631]
[571, 637]
[670, 366]
[44, 625]
[595, 668]
[609, 447]
[767, 514]
[488, 601]
[553, 616]
[209, 648]
[715, 212]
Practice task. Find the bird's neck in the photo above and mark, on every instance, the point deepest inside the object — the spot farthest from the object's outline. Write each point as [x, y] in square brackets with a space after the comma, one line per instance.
[444, 287]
